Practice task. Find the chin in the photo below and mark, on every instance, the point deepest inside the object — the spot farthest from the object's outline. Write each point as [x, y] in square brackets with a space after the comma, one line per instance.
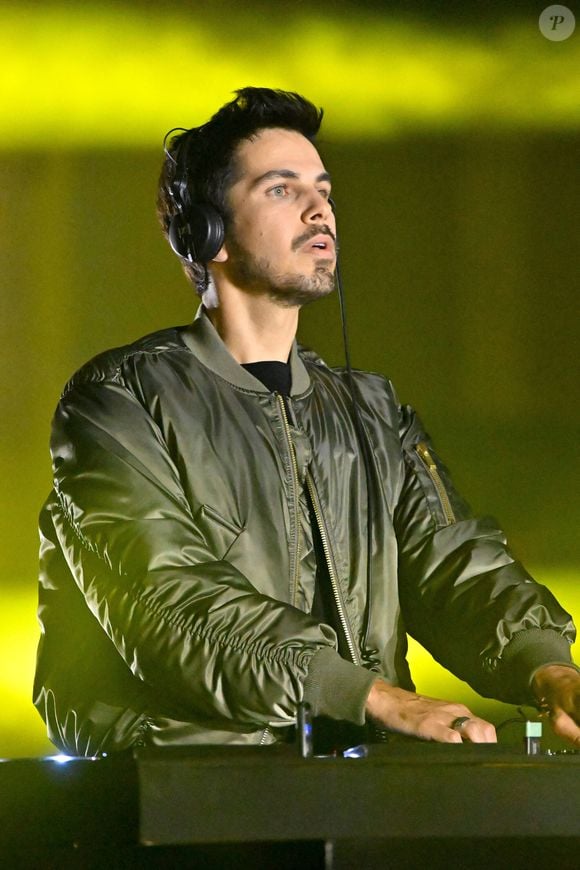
[297, 290]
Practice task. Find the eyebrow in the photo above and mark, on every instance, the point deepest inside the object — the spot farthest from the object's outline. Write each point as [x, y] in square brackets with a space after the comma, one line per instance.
[286, 173]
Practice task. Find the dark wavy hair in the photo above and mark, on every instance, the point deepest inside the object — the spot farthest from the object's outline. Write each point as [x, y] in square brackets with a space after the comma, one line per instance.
[208, 158]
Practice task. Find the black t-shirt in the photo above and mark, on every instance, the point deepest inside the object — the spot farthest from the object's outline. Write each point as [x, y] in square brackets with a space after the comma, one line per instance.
[275, 375]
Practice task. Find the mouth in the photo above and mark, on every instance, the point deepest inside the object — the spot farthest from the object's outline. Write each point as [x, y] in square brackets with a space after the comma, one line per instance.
[316, 240]
[320, 244]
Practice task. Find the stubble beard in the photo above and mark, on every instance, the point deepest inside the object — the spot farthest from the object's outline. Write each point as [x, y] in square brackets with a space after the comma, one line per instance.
[257, 275]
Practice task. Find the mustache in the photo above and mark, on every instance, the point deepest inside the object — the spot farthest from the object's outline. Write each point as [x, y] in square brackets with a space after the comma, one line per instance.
[310, 233]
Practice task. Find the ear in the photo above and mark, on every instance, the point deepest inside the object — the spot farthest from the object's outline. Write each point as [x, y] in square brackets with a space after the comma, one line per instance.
[222, 255]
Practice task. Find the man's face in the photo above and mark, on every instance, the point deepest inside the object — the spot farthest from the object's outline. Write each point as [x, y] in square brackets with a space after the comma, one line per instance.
[281, 239]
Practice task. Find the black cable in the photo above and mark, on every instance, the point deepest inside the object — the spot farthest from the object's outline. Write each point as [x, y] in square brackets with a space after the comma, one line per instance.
[370, 657]
[522, 719]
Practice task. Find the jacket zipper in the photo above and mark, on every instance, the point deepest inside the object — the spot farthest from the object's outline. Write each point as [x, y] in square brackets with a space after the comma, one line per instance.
[267, 732]
[429, 463]
[295, 486]
[331, 569]
[323, 537]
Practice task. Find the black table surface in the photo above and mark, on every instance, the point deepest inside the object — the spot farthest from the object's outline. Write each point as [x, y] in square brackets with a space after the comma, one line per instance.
[216, 795]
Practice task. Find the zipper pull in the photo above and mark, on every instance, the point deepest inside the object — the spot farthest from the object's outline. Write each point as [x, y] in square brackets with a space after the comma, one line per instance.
[423, 452]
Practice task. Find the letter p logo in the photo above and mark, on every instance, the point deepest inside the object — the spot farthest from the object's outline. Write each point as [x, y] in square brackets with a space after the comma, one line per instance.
[557, 23]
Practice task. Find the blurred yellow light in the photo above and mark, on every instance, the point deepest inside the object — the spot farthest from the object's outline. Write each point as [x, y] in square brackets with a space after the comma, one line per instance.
[21, 729]
[115, 74]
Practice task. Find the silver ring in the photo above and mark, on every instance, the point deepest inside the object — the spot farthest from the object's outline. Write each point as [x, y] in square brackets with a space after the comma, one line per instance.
[458, 723]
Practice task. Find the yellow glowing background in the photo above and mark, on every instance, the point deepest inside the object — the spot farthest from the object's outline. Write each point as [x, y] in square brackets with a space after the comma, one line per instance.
[454, 146]
[116, 74]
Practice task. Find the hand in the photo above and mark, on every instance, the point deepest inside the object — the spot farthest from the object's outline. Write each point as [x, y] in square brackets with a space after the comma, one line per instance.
[427, 718]
[557, 689]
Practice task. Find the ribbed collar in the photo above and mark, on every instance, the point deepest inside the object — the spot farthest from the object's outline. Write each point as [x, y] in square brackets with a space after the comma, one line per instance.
[204, 342]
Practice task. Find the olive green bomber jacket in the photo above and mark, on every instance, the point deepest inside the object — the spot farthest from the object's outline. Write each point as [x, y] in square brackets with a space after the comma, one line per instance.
[172, 602]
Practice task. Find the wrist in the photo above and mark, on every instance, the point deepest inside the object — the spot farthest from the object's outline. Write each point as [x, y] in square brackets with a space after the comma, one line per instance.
[546, 675]
[381, 697]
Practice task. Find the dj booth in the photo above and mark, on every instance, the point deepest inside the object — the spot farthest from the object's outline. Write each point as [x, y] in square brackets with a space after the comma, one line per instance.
[403, 805]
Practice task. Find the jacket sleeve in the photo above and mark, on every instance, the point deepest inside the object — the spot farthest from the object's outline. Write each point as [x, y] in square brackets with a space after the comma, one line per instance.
[464, 596]
[191, 626]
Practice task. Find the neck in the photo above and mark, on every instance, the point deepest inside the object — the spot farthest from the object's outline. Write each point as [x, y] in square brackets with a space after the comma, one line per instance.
[254, 328]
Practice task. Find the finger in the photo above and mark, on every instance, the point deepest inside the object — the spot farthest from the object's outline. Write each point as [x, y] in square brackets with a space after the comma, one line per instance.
[471, 729]
[566, 701]
[450, 735]
[474, 730]
[564, 726]
[477, 730]
[443, 734]
[433, 728]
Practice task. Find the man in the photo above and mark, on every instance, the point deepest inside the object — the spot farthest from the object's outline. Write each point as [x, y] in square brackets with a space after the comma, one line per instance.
[205, 548]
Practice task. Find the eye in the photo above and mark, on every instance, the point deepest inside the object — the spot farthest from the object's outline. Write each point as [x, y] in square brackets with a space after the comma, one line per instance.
[279, 191]
[325, 193]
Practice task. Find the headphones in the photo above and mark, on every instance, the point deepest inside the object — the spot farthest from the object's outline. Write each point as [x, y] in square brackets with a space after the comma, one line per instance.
[196, 231]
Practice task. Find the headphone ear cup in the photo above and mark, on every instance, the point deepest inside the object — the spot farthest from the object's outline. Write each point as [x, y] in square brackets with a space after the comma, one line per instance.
[197, 236]
[175, 234]
[207, 231]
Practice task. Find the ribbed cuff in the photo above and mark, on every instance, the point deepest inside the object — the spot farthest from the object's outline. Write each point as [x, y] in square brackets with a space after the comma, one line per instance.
[337, 688]
[528, 651]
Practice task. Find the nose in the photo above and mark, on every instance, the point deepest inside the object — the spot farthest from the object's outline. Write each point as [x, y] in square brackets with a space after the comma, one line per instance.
[318, 209]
